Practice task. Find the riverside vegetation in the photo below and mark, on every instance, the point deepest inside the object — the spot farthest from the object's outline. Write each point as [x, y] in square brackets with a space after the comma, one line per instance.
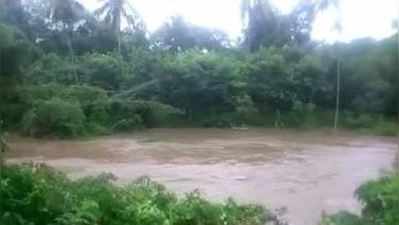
[37, 194]
[69, 72]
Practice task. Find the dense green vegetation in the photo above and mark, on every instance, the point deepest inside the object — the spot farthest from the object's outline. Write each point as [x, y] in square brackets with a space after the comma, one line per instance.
[65, 72]
[38, 195]
[68, 72]
[380, 201]
[3, 145]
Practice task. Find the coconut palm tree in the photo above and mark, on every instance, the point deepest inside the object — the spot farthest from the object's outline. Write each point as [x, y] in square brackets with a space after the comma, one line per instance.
[113, 11]
[64, 14]
[259, 22]
[264, 25]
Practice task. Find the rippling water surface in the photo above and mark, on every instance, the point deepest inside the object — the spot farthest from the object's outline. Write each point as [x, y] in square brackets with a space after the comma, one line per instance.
[306, 172]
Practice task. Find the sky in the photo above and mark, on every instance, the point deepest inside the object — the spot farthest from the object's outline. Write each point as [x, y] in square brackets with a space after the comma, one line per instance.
[360, 18]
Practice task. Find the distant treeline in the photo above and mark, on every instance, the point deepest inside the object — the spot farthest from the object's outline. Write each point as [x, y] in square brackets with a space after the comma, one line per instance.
[65, 71]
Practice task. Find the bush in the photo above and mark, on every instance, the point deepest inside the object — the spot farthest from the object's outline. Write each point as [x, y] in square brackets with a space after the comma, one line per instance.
[102, 70]
[93, 100]
[152, 114]
[224, 120]
[96, 129]
[100, 113]
[34, 93]
[245, 108]
[342, 218]
[3, 142]
[386, 128]
[377, 125]
[36, 194]
[136, 122]
[52, 68]
[380, 200]
[359, 121]
[54, 117]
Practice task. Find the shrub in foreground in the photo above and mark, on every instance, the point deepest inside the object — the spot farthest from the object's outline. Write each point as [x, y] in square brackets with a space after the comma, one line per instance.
[36, 194]
[380, 200]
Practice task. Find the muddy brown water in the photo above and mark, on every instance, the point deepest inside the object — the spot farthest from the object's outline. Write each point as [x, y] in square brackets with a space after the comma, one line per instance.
[306, 172]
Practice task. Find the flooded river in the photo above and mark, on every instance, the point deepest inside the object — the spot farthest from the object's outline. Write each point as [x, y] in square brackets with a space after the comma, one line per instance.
[306, 172]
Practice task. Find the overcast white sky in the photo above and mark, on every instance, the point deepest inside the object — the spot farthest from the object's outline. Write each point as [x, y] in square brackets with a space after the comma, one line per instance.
[360, 18]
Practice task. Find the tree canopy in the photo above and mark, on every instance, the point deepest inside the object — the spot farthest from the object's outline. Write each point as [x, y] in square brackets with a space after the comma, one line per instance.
[56, 54]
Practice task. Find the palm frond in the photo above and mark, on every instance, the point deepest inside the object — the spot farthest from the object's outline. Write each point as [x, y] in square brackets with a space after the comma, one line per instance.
[325, 4]
[103, 9]
[132, 10]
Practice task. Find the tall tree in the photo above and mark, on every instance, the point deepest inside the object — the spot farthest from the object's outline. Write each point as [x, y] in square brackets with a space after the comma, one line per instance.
[177, 35]
[113, 11]
[260, 23]
[265, 26]
[12, 12]
[64, 15]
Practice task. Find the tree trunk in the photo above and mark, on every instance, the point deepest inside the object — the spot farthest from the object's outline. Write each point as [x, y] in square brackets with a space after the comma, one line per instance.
[117, 27]
[119, 43]
[397, 67]
[72, 56]
[71, 52]
[337, 103]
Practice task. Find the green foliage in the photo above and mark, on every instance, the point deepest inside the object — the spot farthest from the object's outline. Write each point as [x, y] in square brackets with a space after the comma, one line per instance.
[51, 68]
[128, 124]
[370, 123]
[177, 35]
[92, 100]
[15, 54]
[200, 83]
[342, 218]
[183, 74]
[100, 113]
[8, 36]
[3, 144]
[386, 128]
[277, 82]
[265, 26]
[36, 194]
[380, 200]
[54, 117]
[244, 108]
[360, 121]
[140, 113]
[102, 70]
